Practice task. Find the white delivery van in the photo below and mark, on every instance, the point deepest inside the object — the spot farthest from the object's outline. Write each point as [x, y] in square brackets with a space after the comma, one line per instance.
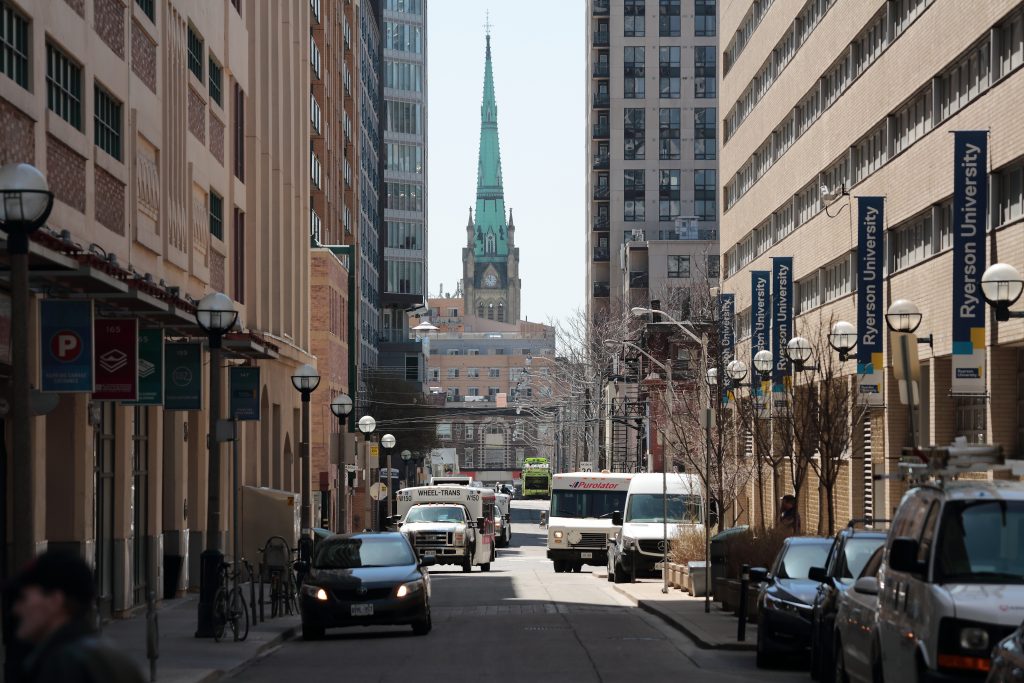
[502, 519]
[454, 524]
[639, 543]
[580, 520]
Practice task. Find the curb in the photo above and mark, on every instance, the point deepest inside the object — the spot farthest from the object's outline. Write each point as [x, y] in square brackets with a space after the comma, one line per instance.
[285, 635]
[651, 608]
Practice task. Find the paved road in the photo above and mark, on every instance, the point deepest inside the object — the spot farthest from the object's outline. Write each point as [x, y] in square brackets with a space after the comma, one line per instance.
[520, 622]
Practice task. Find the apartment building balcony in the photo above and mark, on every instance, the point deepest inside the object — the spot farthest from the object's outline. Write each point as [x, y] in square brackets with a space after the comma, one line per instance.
[601, 100]
[602, 290]
[602, 38]
[602, 8]
[702, 234]
[638, 280]
[602, 162]
[601, 131]
[601, 69]
[601, 253]
[601, 222]
[601, 192]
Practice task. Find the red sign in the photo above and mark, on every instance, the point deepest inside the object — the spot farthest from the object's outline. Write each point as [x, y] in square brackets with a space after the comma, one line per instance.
[117, 359]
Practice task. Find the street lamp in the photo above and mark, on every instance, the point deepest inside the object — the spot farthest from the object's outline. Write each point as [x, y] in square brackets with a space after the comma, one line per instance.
[737, 371]
[843, 338]
[25, 204]
[904, 317]
[366, 425]
[763, 362]
[305, 380]
[1001, 286]
[341, 406]
[406, 457]
[388, 442]
[712, 377]
[216, 314]
[798, 350]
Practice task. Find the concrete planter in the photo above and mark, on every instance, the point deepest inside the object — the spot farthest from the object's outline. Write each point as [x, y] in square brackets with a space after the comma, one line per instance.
[696, 573]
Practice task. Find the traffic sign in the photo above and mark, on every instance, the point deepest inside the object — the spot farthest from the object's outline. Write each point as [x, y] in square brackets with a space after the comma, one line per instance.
[586, 467]
[379, 491]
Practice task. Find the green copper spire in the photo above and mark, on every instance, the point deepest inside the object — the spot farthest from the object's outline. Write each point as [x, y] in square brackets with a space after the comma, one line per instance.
[490, 238]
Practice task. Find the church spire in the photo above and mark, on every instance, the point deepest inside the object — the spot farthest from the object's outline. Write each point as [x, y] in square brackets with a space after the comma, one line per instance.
[491, 235]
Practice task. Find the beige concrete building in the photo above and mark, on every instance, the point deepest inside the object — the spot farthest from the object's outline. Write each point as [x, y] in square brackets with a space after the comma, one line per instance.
[858, 98]
[173, 136]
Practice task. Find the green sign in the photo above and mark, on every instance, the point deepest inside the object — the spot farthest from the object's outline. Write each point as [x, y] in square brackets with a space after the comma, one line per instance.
[151, 367]
[245, 393]
[183, 380]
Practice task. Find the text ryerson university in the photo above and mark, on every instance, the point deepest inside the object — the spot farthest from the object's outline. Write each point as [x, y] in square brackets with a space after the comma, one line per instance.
[969, 230]
[871, 277]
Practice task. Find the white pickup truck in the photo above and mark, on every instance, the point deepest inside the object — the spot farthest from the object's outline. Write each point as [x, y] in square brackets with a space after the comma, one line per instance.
[453, 524]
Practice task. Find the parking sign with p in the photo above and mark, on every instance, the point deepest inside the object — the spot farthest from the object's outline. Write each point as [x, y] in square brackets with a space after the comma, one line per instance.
[66, 336]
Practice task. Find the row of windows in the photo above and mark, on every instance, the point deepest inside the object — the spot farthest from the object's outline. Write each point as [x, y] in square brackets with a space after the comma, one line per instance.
[403, 76]
[405, 6]
[746, 29]
[404, 117]
[669, 18]
[669, 133]
[404, 196]
[403, 37]
[405, 235]
[669, 73]
[669, 191]
[404, 158]
[405, 277]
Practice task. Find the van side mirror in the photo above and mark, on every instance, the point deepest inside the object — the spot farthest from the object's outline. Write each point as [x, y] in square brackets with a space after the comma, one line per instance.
[817, 574]
[616, 518]
[758, 574]
[868, 585]
[480, 523]
[903, 556]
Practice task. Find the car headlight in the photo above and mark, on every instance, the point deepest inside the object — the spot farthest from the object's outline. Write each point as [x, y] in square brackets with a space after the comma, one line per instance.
[557, 536]
[459, 538]
[314, 592]
[973, 638]
[794, 608]
[407, 589]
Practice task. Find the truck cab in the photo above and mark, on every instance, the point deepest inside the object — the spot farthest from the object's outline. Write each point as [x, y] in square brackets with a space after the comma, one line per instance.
[580, 520]
[453, 524]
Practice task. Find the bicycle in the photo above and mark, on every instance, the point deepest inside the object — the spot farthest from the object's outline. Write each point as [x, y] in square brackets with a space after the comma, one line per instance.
[277, 566]
[229, 606]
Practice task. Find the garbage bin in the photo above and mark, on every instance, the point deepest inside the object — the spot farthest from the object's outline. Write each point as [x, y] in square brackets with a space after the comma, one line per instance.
[173, 565]
[718, 552]
[696, 571]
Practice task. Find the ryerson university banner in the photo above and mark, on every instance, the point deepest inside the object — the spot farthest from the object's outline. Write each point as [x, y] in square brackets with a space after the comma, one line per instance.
[970, 211]
[870, 251]
[782, 325]
[759, 317]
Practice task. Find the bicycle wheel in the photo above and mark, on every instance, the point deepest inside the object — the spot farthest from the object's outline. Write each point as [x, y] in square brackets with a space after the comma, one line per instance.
[275, 594]
[220, 613]
[239, 614]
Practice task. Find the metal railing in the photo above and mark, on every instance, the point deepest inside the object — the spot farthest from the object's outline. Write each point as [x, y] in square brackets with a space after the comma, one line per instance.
[601, 69]
[601, 99]
[601, 192]
[602, 39]
[602, 8]
[602, 162]
[601, 130]
[601, 222]
[601, 253]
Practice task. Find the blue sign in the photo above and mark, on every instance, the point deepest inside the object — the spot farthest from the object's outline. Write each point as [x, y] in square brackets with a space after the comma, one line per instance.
[970, 209]
[782, 319]
[727, 327]
[759, 326]
[245, 393]
[870, 252]
[66, 353]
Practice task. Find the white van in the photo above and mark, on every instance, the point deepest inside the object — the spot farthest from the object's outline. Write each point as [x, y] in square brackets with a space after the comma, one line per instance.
[453, 524]
[502, 519]
[951, 583]
[580, 521]
[639, 542]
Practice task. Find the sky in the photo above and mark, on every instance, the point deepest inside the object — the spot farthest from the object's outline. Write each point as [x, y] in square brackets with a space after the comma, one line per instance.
[539, 62]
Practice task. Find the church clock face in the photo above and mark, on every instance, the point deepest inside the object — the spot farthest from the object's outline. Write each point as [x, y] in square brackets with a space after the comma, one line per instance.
[490, 280]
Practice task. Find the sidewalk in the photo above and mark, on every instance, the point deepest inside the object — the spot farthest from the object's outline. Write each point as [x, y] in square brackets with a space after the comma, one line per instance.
[187, 659]
[715, 630]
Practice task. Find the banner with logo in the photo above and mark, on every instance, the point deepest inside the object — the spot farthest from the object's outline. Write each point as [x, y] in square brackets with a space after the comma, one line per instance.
[759, 329]
[117, 356]
[245, 393]
[66, 348]
[151, 367]
[782, 325]
[183, 377]
[726, 339]
[970, 211]
[870, 300]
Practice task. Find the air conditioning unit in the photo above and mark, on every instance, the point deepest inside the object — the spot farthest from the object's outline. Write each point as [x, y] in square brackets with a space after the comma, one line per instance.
[638, 235]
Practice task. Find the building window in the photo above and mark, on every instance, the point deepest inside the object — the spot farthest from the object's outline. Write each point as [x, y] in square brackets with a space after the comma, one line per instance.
[108, 122]
[494, 373]
[412, 368]
[314, 57]
[404, 117]
[669, 18]
[704, 145]
[472, 391]
[634, 130]
[444, 429]
[404, 196]
[216, 215]
[13, 45]
[807, 293]
[216, 75]
[315, 115]
[965, 80]
[405, 235]
[679, 265]
[435, 374]
[715, 268]
[148, 7]
[238, 251]
[1011, 49]
[838, 280]
[633, 73]
[493, 391]
[669, 146]
[869, 153]
[239, 136]
[195, 53]
[910, 242]
[668, 72]
[704, 193]
[64, 86]
[453, 373]
[704, 84]
[403, 37]
[633, 194]
[1011, 195]
[668, 195]
[970, 418]
[633, 11]
[704, 23]
[472, 372]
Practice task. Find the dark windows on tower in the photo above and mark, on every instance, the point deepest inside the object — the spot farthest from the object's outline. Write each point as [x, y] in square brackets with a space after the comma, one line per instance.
[704, 83]
[633, 195]
[669, 18]
[668, 194]
[634, 129]
[195, 53]
[668, 72]
[704, 21]
[704, 145]
[64, 86]
[704, 194]
[108, 122]
[669, 146]
[633, 73]
[633, 11]
[13, 45]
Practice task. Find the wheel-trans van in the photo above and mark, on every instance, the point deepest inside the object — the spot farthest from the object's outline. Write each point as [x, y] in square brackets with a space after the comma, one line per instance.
[580, 521]
[454, 524]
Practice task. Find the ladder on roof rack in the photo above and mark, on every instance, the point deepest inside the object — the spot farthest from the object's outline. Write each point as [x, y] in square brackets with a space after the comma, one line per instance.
[939, 463]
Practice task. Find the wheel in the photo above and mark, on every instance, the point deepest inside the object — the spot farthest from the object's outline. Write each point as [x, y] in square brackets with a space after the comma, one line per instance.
[275, 594]
[619, 576]
[467, 562]
[485, 567]
[422, 628]
[840, 660]
[577, 568]
[220, 613]
[558, 566]
[240, 615]
[312, 631]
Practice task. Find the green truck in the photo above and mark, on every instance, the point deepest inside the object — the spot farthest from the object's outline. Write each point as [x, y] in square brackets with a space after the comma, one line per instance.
[536, 478]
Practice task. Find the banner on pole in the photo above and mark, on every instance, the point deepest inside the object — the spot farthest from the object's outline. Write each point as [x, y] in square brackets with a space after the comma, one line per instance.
[759, 329]
[726, 339]
[117, 359]
[66, 353]
[782, 325]
[183, 379]
[245, 393]
[870, 299]
[970, 209]
[151, 367]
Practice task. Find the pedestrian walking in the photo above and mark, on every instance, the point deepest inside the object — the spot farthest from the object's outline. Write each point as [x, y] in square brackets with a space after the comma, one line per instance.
[53, 604]
[789, 517]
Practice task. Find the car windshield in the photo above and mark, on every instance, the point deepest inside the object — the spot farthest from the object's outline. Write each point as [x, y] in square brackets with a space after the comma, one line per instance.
[351, 553]
[798, 558]
[649, 507]
[856, 554]
[981, 541]
[577, 503]
[441, 513]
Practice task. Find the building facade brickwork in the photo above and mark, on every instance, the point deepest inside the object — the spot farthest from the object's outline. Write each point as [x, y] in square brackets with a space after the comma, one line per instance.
[108, 18]
[109, 192]
[67, 174]
[143, 56]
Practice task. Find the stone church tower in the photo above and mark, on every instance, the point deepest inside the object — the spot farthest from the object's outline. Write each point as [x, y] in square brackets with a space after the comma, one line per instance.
[490, 259]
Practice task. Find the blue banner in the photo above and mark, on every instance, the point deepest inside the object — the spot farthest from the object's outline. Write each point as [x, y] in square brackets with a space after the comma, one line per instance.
[759, 326]
[870, 301]
[66, 353]
[727, 328]
[782, 319]
[245, 393]
[970, 211]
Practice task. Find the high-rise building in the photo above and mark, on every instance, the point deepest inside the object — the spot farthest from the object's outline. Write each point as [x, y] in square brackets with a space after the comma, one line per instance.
[828, 101]
[404, 239]
[652, 163]
[490, 259]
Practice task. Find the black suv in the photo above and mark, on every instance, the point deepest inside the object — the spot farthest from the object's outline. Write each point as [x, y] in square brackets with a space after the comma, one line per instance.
[850, 551]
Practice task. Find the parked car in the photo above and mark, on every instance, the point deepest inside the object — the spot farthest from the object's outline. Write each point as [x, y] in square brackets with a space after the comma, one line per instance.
[854, 638]
[784, 599]
[846, 558]
[365, 579]
[1008, 659]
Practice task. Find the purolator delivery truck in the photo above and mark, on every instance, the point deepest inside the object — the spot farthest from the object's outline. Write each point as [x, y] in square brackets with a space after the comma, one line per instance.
[580, 522]
[454, 524]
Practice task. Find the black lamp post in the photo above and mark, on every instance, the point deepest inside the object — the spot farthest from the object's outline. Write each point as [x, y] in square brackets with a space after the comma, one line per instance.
[305, 380]
[367, 425]
[388, 442]
[216, 314]
[341, 406]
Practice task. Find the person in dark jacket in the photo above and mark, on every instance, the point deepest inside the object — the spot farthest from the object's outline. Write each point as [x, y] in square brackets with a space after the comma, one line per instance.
[53, 600]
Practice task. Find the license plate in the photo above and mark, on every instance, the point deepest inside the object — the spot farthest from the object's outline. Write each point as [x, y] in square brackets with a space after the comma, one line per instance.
[429, 553]
[586, 556]
[364, 610]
